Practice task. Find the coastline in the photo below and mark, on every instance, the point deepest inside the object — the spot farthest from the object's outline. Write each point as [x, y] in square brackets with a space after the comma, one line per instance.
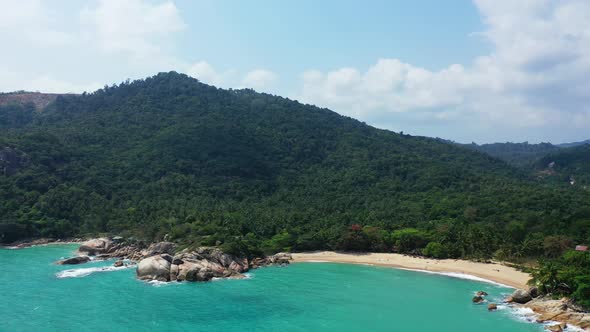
[39, 242]
[495, 272]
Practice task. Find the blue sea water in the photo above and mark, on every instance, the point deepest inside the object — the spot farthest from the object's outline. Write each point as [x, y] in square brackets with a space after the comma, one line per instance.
[36, 295]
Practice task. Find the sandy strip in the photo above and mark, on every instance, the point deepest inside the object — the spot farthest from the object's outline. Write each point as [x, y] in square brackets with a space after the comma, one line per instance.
[495, 272]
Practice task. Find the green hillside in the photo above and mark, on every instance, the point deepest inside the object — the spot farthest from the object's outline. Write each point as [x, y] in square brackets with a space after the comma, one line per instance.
[255, 172]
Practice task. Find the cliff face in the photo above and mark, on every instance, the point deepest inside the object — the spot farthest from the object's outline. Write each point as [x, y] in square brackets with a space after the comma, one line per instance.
[40, 100]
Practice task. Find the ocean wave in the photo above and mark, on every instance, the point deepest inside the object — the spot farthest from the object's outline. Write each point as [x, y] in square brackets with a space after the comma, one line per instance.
[157, 283]
[460, 276]
[79, 273]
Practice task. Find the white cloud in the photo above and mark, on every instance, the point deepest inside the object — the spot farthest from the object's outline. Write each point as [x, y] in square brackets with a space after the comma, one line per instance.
[30, 22]
[536, 75]
[259, 79]
[110, 40]
[132, 26]
[206, 73]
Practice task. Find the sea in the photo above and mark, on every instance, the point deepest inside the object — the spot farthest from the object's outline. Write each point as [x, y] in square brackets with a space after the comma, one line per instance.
[38, 295]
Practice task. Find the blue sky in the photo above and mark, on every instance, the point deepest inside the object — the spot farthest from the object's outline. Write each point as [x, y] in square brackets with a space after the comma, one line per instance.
[482, 70]
[291, 37]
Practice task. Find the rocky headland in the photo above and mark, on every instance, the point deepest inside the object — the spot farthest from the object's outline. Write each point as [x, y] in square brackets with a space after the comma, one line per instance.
[558, 314]
[163, 262]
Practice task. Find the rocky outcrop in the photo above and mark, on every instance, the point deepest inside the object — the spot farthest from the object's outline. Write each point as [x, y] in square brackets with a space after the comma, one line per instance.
[562, 311]
[492, 307]
[201, 264]
[117, 247]
[73, 260]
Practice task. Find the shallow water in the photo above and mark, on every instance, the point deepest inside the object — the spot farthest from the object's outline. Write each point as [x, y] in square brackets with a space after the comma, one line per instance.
[301, 297]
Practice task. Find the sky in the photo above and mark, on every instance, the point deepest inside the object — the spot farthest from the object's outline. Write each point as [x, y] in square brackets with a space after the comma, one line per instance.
[482, 71]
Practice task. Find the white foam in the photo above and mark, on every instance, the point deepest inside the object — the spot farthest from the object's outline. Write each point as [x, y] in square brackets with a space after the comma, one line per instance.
[79, 273]
[460, 276]
[157, 283]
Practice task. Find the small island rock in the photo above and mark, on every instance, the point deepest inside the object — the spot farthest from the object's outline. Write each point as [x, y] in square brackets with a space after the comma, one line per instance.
[74, 260]
[477, 299]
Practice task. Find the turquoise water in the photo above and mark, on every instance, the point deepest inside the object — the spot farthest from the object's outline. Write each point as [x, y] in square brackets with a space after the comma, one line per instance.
[301, 297]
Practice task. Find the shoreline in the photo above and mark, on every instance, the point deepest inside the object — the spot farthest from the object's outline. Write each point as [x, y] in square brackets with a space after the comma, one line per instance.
[39, 242]
[494, 272]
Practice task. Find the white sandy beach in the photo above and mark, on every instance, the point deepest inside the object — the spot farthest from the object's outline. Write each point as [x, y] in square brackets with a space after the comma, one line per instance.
[495, 272]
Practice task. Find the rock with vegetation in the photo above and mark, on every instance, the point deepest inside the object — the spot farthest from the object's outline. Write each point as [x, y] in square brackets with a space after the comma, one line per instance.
[159, 248]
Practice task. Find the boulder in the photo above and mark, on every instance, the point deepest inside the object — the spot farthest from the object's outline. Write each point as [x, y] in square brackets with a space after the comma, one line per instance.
[118, 264]
[159, 248]
[533, 291]
[492, 307]
[198, 271]
[74, 260]
[482, 293]
[155, 268]
[95, 246]
[477, 299]
[521, 296]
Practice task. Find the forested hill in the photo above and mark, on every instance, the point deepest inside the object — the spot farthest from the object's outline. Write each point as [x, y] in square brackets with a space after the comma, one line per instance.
[251, 172]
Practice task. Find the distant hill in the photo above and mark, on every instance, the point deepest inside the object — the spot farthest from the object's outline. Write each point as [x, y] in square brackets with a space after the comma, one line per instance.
[569, 145]
[517, 154]
[169, 155]
[567, 165]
